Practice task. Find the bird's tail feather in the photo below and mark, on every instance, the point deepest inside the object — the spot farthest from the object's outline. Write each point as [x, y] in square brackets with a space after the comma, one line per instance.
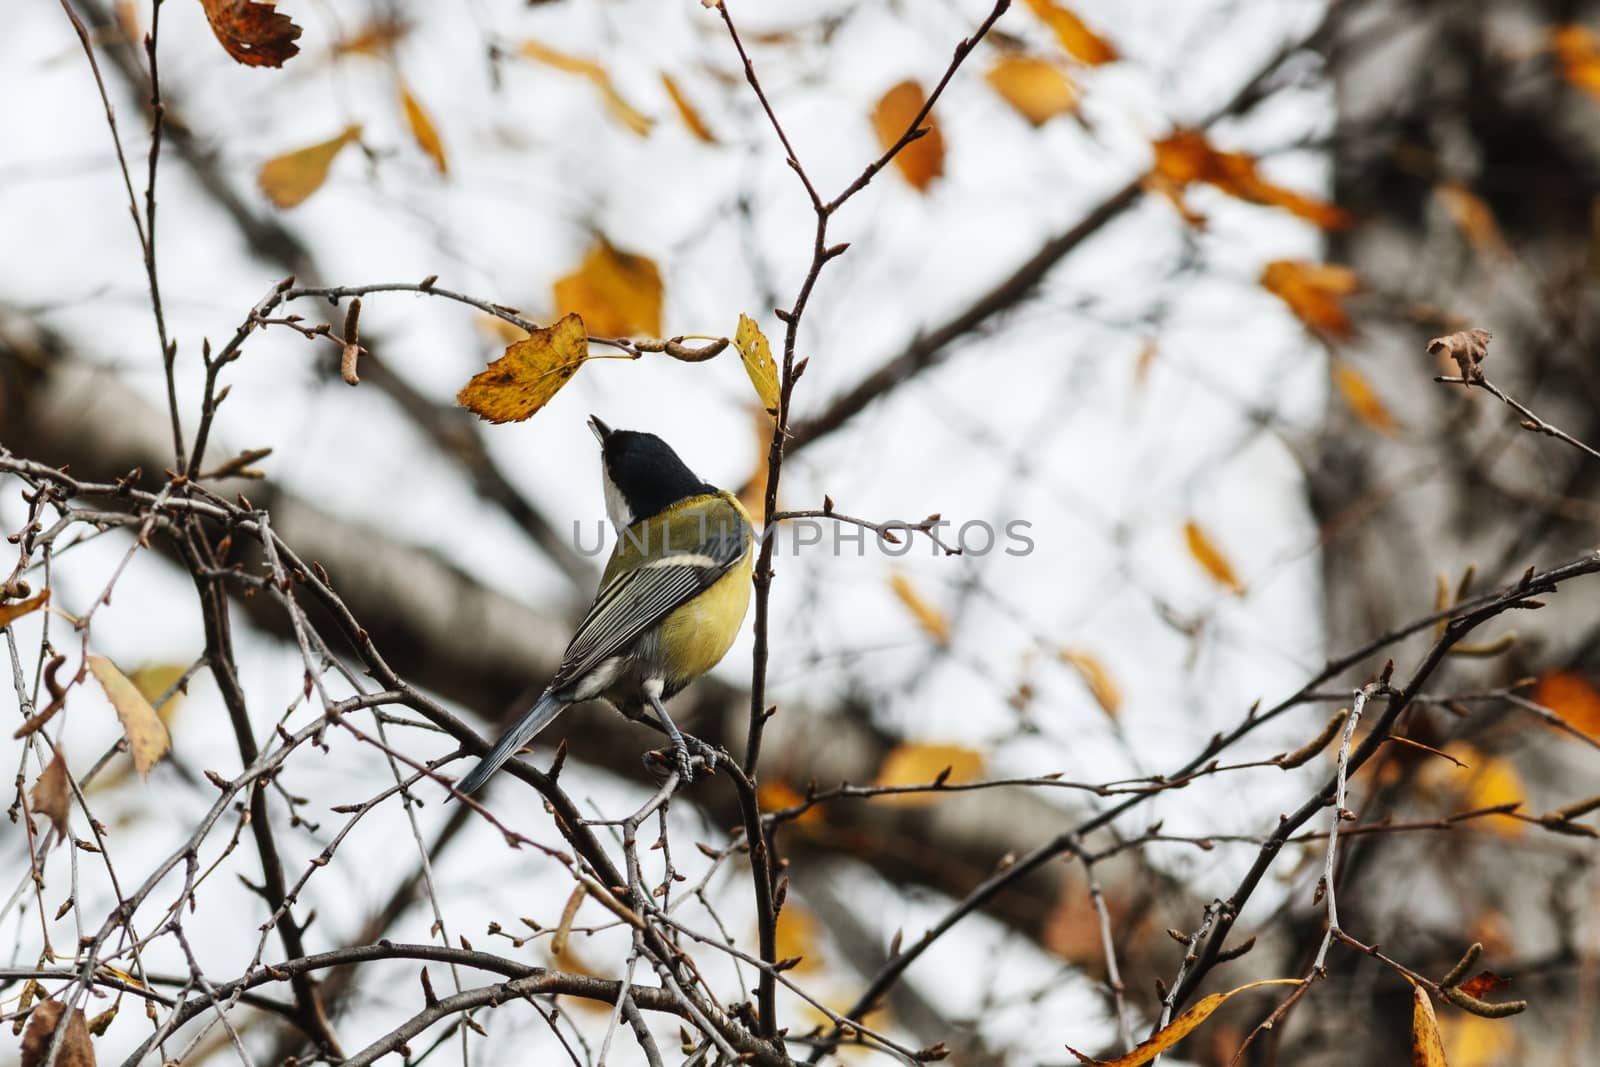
[536, 719]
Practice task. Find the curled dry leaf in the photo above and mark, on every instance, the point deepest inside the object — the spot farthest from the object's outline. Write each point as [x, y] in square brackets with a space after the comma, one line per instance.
[1080, 42]
[758, 363]
[289, 179]
[1312, 291]
[522, 381]
[620, 109]
[1038, 90]
[686, 111]
[929, 618]
[423, 131]
[922, 160]
[76, 1048]
[617, 293]
[1187, 156]
[16, 609]
[1210, 557]
[147, 735]
[1468, 348]
[257, 35]
[52, 795]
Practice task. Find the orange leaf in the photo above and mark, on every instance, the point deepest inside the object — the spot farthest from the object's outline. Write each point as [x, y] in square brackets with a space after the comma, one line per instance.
[1096, 677]
[1572, 698]
[691, 117]
[922, 160]
[1178, 1028]
[1427, 1048]
[1187, 156]
[1578, 54]
[522, 381]
[1036, 89]
[1081, 43]
[798, 935]
[777, 795]
[1209, 556]
[930, 618]
[257, 35]
[423, 130]
[9, 613]
[1363, 398]
[620, 109]
[618, 293]
[914, 763]
[1312, 291]
[288, 179]
[1483, 983]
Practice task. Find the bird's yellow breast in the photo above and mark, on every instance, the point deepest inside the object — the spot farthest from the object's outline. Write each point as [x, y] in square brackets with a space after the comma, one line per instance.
[699, 633]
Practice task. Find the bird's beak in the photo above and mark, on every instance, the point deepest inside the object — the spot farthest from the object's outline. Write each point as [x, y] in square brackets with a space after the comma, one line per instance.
[601, 430]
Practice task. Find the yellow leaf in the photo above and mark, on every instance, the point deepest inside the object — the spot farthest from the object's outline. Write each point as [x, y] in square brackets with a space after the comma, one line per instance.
[16, 609]
[1494, 781]
[52, 794]
[620, 109]
[1096, 677]
[617, 293]
[1578, 54]
[691, 117]
[423, 130]
[154, 679]
[1210, 557]
[1312, 291]
[913, 763]
[1427, 1049]
[1081, 43]
[930, 618]
[1178, 1028]
[1471, 215]
[376, 38]
[522, 381]
[147, 735]
[1473, 1041]
[922, 160]
[798, 935]
[777, 795]
[1036, 89]
[758, 362]
[288, 179]
[1186, 156]
[1363, 398]
[1573, 699]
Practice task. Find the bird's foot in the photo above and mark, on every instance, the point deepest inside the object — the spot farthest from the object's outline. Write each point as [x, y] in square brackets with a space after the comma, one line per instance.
[686, 752]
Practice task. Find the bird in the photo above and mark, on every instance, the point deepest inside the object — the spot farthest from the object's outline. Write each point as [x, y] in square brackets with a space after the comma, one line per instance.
[672, 598]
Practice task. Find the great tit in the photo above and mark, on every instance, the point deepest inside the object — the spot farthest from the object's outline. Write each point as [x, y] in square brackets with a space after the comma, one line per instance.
[671, 600]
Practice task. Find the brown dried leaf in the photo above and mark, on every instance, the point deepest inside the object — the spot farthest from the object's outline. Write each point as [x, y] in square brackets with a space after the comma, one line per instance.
[1312, 291]
[929, 618]
[1186, 156]
[147, 735]
[16, 609]
[617, 293]
[1081, 43]
[1209, 556]
[1483, 982]
[1427, 1048]
[1036, 89]
[922, 160]
[522, 381]
[620, 109]
[255, 34]
[52, 795]
[76, 1048]
[289, 179]
[423, 129]
[1363, 398]
[1469, 348]
[686, 111]
[756, 354]
[1096, 677]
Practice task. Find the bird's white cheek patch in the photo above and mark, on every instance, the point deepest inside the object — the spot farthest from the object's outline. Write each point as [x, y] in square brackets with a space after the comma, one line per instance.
[616, 505]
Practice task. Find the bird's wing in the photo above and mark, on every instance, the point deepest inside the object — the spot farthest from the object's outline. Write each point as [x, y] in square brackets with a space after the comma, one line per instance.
[642, 595]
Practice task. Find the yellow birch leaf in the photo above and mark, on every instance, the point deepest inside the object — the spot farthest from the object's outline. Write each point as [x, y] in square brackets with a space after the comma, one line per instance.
[914, 763]
[289, 179]
[154, 679]
[930, 618]
[52, 794]
[798, 935]
[1178, 1028]
[756, 354]
[423, 130]
[1096, 677]
[691, 117]
[1210, 557]
[522, 381]
[1312, 291]
[922, 160]
[1363, 399]
[1081, 43]
[617, 293]
[16, 609]
[1427, 1048]
[620, 109]
[1578, 54]
[1494, 781]
[1036, 89]
[1574, 700]
[147, 735]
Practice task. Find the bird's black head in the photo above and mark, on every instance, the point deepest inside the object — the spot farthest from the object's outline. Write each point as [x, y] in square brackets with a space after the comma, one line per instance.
[643, 475]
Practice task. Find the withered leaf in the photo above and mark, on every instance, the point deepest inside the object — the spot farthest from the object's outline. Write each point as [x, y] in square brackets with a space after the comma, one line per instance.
[1187, 156]
[620, 109]
[16, 609]
[52, 794]
[1095, 675]
[922, 160]
[292, 177]
[76, 1048]
[255, 34]
[1363, 399]
[147, 735]
[1312, 291]
[522, 381]
[1427, 1048]
[1483, 982]
[1469, 348]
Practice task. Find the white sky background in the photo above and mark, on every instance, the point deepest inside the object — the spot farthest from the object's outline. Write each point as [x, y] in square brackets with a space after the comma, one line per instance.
[1040, 420]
